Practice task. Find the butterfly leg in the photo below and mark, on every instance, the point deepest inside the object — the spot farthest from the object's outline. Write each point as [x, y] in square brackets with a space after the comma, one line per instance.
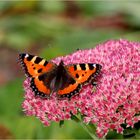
[94, 84]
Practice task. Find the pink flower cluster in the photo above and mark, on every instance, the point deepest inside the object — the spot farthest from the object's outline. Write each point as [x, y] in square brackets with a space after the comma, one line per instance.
[115, 101]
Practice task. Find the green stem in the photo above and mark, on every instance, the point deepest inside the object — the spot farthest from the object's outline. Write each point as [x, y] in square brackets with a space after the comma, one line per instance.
[90, 128]
[88, 131]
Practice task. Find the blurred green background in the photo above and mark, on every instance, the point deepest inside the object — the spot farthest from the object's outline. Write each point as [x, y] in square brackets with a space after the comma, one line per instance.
[50, 29]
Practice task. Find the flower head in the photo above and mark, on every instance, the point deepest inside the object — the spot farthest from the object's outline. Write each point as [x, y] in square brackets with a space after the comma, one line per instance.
[116, 99]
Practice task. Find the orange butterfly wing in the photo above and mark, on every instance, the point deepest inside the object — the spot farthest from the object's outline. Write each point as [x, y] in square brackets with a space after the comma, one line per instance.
[82, 73]
[42, 75]
[33, 67]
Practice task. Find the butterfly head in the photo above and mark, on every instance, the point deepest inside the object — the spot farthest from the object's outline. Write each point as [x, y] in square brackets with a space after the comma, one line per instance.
[60, 67]
[61, 63]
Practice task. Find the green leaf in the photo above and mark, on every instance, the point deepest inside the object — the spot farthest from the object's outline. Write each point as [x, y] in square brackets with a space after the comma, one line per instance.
[114, 135]
[75, 118]
[11, 96]
[61, 123]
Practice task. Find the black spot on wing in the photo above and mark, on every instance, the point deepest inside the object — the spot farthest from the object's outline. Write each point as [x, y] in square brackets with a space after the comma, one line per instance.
[30, 57]
[40, 70]
[98, 66]
[72, 82]
[83, 66]
[41, 77]
[22, 56]
[75, 67]
[77, 75]
[97, 71]
[45, 63]
[37, 60]
[91, 66]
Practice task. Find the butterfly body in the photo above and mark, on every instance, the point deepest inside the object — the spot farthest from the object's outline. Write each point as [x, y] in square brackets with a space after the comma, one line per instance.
[65, 80]
[57, 78]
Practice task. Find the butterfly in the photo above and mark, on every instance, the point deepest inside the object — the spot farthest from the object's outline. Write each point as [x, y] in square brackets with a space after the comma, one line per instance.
[65, 80]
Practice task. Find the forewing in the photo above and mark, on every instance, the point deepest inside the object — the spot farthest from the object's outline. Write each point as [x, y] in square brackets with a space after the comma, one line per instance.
[83, 72]
[35, 66]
